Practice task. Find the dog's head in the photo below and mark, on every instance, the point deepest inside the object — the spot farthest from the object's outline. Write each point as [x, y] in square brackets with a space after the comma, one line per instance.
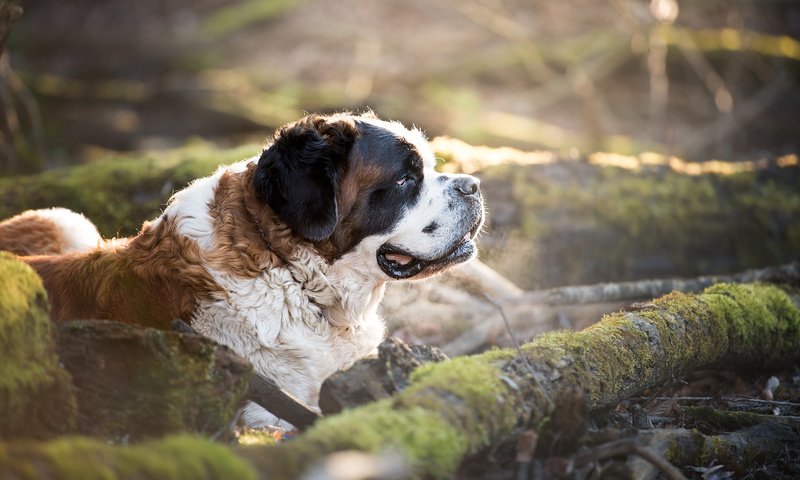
[368, 188]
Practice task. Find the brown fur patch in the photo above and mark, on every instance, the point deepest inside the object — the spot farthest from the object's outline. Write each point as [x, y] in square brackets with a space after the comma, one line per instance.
[31, 234]
[353, 197]
[149, 279]
[249, 236]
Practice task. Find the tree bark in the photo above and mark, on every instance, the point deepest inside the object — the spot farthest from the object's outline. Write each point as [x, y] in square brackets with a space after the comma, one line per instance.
[738, 450]
[134, 383]
[642, 289]
[375, 378]
[458, 407]
[265, 392]
[10, 11]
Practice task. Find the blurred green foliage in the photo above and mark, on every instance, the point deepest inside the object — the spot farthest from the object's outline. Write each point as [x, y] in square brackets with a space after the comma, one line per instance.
[120, 191]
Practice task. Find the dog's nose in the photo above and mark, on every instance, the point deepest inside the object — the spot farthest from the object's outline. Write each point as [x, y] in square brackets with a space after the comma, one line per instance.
[466, 184]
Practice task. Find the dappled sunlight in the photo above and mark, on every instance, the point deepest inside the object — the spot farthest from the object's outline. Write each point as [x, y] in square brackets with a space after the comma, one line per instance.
[612, 219]
[678, 165]
[709, 40]
[462, 157]
[680, 78]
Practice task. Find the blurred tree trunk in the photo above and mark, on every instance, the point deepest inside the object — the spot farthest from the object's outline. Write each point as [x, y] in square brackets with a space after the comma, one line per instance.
[10, 11]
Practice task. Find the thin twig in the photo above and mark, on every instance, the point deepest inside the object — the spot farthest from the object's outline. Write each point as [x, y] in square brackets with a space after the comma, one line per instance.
[726, 398]
[518, 348]
[626, 447]
[28, 103]
[622, 291]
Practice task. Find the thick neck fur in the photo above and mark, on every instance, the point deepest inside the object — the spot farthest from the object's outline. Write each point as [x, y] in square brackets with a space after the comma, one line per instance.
[242, 237]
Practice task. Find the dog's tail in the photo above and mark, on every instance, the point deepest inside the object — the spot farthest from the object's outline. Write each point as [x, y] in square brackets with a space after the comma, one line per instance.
[50, 231]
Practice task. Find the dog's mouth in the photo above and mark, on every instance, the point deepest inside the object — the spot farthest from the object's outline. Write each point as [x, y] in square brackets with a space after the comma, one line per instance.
[400, 264]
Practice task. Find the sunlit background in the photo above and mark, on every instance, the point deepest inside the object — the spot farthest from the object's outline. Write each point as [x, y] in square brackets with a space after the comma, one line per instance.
[692, 105]
[699, 79]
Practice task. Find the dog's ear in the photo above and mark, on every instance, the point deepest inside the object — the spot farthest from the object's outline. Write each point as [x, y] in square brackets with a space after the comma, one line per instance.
[298, 175]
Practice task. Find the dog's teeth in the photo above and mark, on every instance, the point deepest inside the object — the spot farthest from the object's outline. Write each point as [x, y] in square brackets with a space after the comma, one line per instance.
[397, 258]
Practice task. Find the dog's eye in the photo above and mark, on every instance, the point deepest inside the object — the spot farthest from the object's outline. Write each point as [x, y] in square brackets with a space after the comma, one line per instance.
[403, 180]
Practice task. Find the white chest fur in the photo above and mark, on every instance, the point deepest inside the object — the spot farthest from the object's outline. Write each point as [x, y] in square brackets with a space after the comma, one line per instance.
[297, 323]
[275, 322]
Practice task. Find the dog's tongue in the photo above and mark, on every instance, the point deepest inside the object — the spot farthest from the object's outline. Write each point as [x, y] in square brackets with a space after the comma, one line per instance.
[397, 258]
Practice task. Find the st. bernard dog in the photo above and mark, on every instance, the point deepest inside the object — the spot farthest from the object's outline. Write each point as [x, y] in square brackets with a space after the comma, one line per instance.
[283, 257]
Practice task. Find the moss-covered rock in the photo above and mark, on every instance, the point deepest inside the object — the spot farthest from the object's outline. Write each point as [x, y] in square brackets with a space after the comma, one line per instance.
[136, 383]
[552, 221]
[179, 457]
[36, 397]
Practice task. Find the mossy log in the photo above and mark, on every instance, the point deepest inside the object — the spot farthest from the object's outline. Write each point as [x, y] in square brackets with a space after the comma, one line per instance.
[36, 398]
[136, 383]
[177, 457]
[613, 218]
[579, 221]
[738, 450]
[119, 192]
[459, 407]
[464, 310]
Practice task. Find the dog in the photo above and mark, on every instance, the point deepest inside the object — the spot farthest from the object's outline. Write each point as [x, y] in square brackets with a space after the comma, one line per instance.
[283, 257]
[48, 231]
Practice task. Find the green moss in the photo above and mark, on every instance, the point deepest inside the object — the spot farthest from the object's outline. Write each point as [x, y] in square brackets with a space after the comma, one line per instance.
[36, 398]
[716, 419]
[432, 433]
[476, 383]
[601, 360]
[688, 329]
[81, 458]
[749, 325]
[117, 192]
[230, 19]
[422, 436]
[250, 437]
[176, 384]
[627, 224]
[456, 407]
[763, 322]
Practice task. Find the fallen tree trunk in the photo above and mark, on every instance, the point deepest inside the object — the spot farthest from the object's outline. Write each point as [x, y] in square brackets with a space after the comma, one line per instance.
[738, 450]
[455, 408]
[460, 311]
[10, 11]
[629, 291]
[134, 383]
